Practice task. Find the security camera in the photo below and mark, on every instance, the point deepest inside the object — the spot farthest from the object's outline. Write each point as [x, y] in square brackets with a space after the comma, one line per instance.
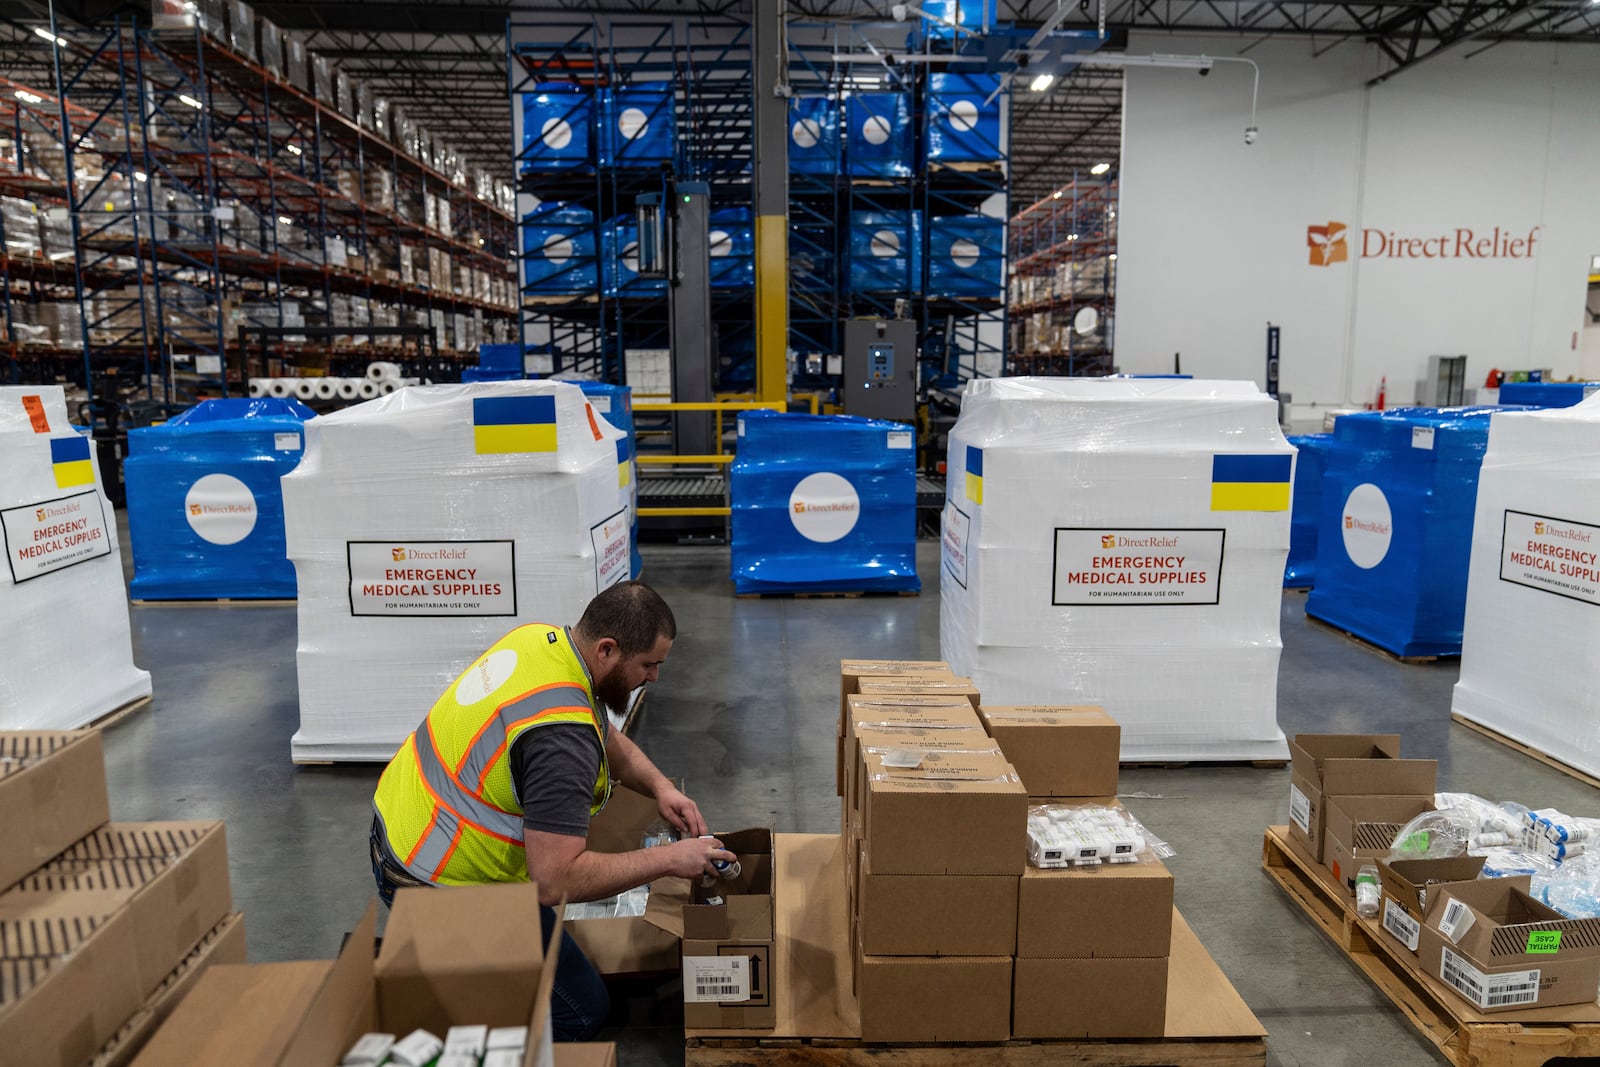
[1205, 72]
[1250, 134]
[1022, 60]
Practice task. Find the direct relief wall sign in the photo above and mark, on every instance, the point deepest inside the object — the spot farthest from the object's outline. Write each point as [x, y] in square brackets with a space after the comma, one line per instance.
[1551, 555]
[432, 578]
[1111, 566]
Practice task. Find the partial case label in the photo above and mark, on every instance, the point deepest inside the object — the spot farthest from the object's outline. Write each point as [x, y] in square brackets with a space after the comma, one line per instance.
[1551, 555]
[432, 578]
[1104, 566]
[52, 535]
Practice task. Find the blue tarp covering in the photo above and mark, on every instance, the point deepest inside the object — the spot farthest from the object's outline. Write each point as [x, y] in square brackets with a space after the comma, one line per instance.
[1547, 394]
[1300, 571]
[637, 128]
[558, 250]
[813, 135]
[963, 123]
[205, 513]
[1395, 533]
[886, 251]
[615, 403]
[879, 141]
[966, 256]
[500, 358]
[823, 502]
[557, 128]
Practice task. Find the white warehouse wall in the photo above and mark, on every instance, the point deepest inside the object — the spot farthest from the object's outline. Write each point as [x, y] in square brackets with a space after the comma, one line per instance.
[1212, 240]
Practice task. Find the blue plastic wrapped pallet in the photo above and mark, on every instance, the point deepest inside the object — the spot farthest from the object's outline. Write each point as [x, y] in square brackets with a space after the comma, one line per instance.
[966, 256]
[558, 250]
[615, 404]
[1547, 394]
[620, 259]
[557, 128]
[878, 144]
[1395, 533]
[963, 122]
[733, 248]
[886, 251]
[636, 125]
[823, 503]
[205, 513]
[813, 135]
[1299, 572]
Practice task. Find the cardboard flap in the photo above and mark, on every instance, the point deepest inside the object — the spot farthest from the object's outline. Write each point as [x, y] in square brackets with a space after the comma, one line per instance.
[342, 1008]
[540, 1039]
[664, 909]
[1314, 750]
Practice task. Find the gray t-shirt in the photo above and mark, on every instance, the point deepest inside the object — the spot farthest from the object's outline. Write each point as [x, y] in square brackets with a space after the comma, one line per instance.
[553, 769]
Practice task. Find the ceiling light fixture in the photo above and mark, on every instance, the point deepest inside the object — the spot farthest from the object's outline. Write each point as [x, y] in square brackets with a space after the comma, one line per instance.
[1042, 82]
[29, 98]
[191, 101]
[285, 220]
[1099, 168]
[140, 176]
[1056, 195]
[47, 35]
[294, 149]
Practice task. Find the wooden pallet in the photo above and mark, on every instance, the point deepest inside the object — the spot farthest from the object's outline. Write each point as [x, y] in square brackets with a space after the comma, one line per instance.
[1529, 751]
[111, 718]
[829, 594]
[1357, 639]
[821, 1052]
[1466, 1037]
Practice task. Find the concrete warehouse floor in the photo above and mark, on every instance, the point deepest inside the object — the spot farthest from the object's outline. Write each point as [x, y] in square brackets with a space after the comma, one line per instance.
[744, 712]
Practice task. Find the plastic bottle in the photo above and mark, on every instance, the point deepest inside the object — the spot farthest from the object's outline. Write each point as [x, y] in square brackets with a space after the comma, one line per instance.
[1368, 894]
[728, 869]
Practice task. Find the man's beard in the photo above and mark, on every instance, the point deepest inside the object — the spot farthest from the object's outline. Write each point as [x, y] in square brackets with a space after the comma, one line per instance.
[612, 692]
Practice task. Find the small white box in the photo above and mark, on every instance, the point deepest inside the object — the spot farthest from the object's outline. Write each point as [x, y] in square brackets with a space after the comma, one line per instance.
[513, 1037]
[371, 1049]
[471, 1040]
[419, 1049]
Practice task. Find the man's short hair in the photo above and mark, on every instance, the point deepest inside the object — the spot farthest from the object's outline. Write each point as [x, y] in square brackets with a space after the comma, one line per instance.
[631, 614]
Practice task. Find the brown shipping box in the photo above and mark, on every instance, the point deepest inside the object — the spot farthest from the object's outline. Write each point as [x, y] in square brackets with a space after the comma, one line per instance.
[954, 686]
[1407, 883]
[922, 738]
[1501, 949]
[727, 947]
[1103, 997]
[624, 944]
[1114, 910]
[52, 791]
[935, 915]
[1347, 765]
[1360, 829]
[441, 965]
[1058, 751]
[926, 998]
[584, 1054]
[851, 671]
[953, 813]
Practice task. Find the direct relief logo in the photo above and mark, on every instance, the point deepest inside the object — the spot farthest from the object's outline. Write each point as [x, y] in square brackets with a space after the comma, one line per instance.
[196, 509]
[1349, 523]
[39, 514]
[1108, 540]
[1327, 244]
[399, 554]
[799, 507]
[1538, 527]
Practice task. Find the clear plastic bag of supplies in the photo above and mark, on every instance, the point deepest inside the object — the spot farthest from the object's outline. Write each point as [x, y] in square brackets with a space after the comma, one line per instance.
[1499, 825]
[622, 905]
[1559, 836]
[1435, 835]
[1087, 835]
[1511, 861]
[1572, 888]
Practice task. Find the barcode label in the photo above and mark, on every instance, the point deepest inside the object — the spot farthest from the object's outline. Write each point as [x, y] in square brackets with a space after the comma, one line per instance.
[1402, 927]
[899, 438]
[715, 979]
[286, 442]
[1456, 920]
[1300, 809]
[1422, 437]
[1515, 988]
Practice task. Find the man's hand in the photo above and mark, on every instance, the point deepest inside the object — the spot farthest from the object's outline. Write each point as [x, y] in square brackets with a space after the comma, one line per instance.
[681, 812]
[692, 857]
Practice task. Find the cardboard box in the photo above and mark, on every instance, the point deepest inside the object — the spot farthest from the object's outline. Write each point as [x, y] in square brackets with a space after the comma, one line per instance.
[727, 947]
[625, 944]
[912, 685]
[441, 965]
[925, 998]
[1360, 829]
[935, 915]
[851, 671]
[1347, 765]
[52, 791]
[881, 738]
[1100, 998]
[953, 813]
[1058, 751]
[585, 1054]
[1114, 910]
[1501, 949]
[929, 711]
[1407, 884]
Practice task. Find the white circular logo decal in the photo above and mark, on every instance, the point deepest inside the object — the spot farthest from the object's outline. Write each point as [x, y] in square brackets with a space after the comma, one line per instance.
[824, 507]
[721, 243]
[221, 509]
[806, 133]
[885, 243]
[964, 253]
[875, 129]
[555, 133]
[964, 115]
[1368, 526]
[557, 249]
[632, 123]
[485, 676]
[630, 257]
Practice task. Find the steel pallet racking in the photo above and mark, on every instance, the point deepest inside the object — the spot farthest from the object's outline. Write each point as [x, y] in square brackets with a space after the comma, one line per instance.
[1063, 255]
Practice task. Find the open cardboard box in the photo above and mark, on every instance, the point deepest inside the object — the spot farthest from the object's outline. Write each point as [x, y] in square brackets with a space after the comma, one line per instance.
[627, 944]
[1331, 765]
[1408, 883]
[442, 964]
[1362, 829]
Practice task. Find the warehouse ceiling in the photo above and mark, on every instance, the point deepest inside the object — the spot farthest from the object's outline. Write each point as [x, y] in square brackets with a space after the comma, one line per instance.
[446, 58]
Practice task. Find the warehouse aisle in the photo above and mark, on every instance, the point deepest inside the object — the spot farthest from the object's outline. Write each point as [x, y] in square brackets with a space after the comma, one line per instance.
[744, 713]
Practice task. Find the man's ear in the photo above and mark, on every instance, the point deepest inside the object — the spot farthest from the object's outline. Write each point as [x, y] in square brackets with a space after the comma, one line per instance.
[606, 650]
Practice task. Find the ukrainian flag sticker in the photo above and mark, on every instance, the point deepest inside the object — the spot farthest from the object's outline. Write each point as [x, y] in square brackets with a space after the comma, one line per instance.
[975, 474]
[624, 463]
[69, 460]
[1250, 483]
[509, 424]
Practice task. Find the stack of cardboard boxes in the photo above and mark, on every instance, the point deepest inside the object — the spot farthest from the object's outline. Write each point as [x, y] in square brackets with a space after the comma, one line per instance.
[953, 936]
[103, 925]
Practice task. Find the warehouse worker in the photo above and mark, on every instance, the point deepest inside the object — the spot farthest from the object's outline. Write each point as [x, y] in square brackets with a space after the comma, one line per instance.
[500, 780]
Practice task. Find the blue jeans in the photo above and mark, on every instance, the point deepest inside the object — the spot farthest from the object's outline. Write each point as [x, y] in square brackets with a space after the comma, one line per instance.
[579, 1003]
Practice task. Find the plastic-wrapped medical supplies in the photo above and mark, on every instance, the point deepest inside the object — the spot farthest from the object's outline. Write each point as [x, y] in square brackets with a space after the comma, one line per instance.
[1547, 394]
[425, 525]
[1309, 466]
[1121, 542]
[1530, 656]
[66, 652]
[1396, 527]
[205, 513]
[615, 402]
[824, 502]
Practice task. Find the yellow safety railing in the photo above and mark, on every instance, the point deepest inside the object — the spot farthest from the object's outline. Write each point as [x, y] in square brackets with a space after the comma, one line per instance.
[721, 407]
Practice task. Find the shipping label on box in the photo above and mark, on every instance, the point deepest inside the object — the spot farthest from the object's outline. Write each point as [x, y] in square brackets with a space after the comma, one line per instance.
[952, 813]
[1406, 885]
[1058, 751]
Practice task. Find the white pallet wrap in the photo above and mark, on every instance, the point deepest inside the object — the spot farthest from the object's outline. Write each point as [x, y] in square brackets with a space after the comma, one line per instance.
[1530, 654]
[426, 524]
[66, 651]
[1098, 551]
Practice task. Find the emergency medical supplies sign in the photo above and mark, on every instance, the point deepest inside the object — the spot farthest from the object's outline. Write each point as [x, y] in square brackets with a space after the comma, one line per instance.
[51, 535]
[612, 558]
[432, 578]
[1551, 555]
[1102, 566]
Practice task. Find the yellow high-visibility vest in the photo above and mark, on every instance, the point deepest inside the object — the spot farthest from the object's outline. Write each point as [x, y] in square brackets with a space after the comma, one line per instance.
[446, 800]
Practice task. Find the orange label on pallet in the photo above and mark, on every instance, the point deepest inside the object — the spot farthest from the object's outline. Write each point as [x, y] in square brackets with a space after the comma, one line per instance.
[34, 406]
[588, 409]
